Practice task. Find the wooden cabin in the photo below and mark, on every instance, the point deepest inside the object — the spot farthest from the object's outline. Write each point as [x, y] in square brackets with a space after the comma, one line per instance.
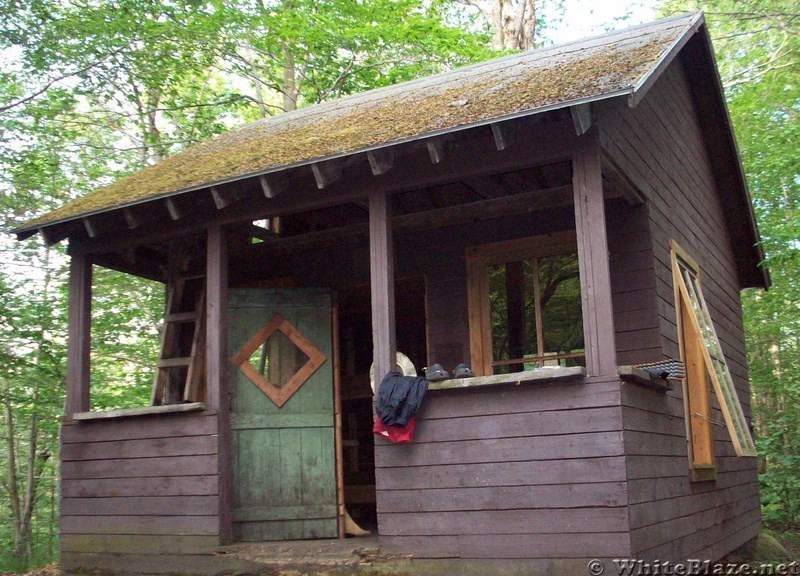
[557, 219]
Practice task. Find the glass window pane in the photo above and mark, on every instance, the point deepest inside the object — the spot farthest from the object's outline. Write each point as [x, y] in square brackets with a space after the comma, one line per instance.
[560, 302]
[512, 313]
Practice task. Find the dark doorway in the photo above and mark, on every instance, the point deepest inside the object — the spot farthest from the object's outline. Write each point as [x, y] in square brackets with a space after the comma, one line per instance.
[355, 334]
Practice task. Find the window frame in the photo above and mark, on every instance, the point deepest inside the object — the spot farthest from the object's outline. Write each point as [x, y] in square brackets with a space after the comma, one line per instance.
[702, 372]
[478, 259]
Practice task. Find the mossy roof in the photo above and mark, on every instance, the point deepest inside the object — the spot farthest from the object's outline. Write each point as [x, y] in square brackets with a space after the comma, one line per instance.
[615, 64]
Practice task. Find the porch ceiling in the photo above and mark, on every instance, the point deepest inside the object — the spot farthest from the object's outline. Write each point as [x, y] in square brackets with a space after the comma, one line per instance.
[617, 64]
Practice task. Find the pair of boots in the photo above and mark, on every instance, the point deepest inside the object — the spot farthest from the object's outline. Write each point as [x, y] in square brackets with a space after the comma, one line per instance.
[436, 372]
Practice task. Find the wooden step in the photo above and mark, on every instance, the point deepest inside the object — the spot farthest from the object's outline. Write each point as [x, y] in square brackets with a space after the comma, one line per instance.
[182, 317]
[173, 362]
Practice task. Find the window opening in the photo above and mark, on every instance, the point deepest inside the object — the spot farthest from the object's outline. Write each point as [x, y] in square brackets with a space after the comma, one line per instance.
[705, 362]
[525, 304]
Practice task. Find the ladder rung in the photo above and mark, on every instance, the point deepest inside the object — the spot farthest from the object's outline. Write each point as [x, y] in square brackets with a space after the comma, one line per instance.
[182, 317]
[172, 362]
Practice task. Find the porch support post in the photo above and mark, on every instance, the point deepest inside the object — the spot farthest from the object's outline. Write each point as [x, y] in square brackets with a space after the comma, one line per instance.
[590, 224]
[78, 335]
[217, 365]
[382, 283]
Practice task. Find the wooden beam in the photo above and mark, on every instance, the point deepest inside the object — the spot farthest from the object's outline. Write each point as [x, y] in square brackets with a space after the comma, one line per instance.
[79, 335]
[620, 184]
[486, 187]
[326, 173]
[253, 231]
[130, 218]
[590, 225]
[437, 148]
[552, 142]
[449, 216]
[381, 160]
[172, 208]
[50, 238]
[273, 184]
[503, 134]
[91, 227]
[217, 366]
[581, 117]
[221, 199]
[381, 265]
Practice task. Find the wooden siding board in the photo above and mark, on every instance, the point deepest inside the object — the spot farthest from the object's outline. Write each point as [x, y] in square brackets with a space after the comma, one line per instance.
[160, 426]
[598, 494]
[149, 448]
[137, 544]
[139, 468]
[596, 444]
[140, 506]
[589, 393]
[493, 522]
[643, 538]
[154, 525]
[524, 473]
[171, 486]
[537, 424]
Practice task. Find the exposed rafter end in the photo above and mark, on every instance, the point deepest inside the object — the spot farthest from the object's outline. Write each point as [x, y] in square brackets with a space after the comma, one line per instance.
[273, 184]
[503, 134]
[437, 148]
[172, 207]
[221, 199]
[50, 237]
[326, 173]
[91, 228]
[381, 161]
[131, 219]
[581, 117]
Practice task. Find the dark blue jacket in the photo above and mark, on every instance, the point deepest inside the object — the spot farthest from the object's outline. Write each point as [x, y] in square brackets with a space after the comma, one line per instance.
[399, 398]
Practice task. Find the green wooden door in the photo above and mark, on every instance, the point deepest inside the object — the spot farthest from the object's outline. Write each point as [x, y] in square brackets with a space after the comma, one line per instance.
[284, 485]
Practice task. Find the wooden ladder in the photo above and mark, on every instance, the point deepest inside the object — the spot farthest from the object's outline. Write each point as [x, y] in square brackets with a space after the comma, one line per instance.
[179, 374]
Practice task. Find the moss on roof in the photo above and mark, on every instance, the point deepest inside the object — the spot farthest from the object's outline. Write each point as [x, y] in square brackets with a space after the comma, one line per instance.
[491, 90]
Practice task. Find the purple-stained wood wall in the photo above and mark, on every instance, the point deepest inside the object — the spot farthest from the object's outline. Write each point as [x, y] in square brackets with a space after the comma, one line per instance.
[146, 487]
[659, 144]
[535, 471]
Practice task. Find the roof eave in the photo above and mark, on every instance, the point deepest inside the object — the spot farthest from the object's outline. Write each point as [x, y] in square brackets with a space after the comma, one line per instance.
[642, 87]
[24, 232]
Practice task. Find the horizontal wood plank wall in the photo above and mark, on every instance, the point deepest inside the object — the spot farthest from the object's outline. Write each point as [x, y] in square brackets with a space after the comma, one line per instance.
[529, 471]
[138, 486]
[660, 147]
[633, 283]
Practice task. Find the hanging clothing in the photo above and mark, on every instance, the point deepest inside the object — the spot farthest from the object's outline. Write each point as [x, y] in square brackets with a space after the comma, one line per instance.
[399, 398]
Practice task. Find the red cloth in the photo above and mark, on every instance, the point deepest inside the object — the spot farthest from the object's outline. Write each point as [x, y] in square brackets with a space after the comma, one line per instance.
[397, 434]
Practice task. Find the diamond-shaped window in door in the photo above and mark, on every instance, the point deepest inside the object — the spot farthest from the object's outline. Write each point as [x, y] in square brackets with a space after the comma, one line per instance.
[278, 359]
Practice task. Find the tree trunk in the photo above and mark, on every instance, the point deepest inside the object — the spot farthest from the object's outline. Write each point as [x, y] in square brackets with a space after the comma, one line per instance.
[11, 473]
[498, 32]
[289, 87]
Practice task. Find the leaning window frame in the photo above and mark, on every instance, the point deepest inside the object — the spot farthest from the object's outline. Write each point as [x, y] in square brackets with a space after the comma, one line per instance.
[478, 259]
[691, 309]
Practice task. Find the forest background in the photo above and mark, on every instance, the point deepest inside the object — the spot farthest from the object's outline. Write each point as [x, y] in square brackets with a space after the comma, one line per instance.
[91, 90]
